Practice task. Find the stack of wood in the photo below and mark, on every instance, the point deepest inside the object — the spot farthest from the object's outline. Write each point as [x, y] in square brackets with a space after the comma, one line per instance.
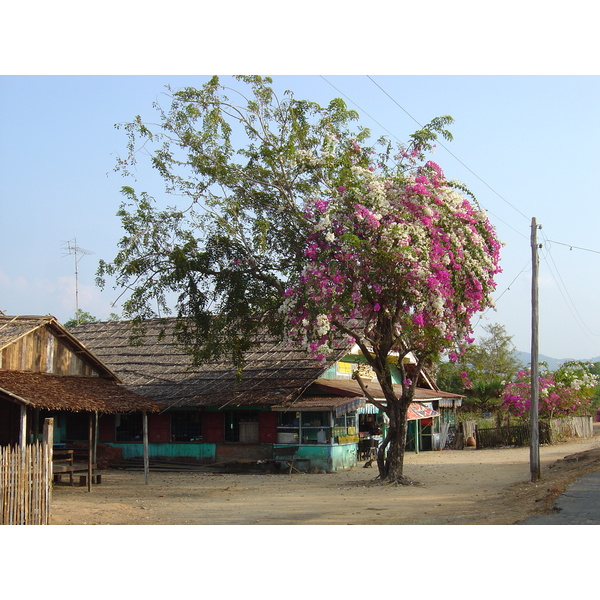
[108, 456]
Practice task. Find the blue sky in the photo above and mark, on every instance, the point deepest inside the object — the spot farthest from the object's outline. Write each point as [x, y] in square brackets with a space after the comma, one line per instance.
[524, 93]
[525, 145]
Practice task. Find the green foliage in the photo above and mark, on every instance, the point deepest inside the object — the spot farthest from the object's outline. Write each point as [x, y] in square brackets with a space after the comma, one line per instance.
[244, 164]
[80, 317]
[594, 368]
[482, 371]
[482, 423]
[254, 174]
[492, 357]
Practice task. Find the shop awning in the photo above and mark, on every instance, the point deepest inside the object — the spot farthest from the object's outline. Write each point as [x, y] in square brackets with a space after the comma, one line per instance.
[339, 406]
[417, 411]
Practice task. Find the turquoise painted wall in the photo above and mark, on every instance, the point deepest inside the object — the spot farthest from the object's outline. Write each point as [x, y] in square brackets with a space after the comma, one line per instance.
[60, 428]
[343, 456]
[168, 450]
[328, 458]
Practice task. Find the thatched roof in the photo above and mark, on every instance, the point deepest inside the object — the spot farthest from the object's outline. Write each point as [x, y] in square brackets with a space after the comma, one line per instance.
[59, 392]
[153, 364]
[101, 393]
[13, 328]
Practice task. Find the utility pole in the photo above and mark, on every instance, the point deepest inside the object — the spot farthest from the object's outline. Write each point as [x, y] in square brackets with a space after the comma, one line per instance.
[534, 448]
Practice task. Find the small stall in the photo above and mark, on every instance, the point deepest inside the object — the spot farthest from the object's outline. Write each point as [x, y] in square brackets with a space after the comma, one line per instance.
[423, 427]
[324, 429]
[371, 424]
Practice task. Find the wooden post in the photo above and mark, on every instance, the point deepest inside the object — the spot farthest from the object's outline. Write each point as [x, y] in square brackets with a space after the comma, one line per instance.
[417, 428]
[23, 428]
[146, 457]
[47, 475]
[534, 448]
[95, 452]
[90, 451]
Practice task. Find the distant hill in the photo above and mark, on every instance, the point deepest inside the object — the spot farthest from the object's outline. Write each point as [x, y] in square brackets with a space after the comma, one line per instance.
[553, 363]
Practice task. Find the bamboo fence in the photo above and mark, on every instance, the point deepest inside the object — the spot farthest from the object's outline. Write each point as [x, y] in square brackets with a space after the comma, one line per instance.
[551, 431]
[26, 483]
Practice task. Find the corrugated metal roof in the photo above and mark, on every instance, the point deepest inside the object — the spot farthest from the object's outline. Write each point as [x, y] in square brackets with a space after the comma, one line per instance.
[56, 392]
[318, 403]
[350, 388]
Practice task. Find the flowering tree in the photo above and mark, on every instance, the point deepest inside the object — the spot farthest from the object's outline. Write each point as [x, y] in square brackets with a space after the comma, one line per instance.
[399, 263]
[294, 223]
[567, 391]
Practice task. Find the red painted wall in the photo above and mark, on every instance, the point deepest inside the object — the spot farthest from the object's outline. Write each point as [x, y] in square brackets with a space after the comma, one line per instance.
[106, 428]
[267, 427]
[212, 427]
[159, 427]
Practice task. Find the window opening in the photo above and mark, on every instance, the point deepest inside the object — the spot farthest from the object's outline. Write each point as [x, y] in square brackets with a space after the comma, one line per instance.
[186, 426]
[241, 426]
[128, 427]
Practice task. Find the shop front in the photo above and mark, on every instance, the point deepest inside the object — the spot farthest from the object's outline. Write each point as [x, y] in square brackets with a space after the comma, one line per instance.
[325, 430]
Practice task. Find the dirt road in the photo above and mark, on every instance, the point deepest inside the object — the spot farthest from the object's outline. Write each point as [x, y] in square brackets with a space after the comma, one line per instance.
[454, 487]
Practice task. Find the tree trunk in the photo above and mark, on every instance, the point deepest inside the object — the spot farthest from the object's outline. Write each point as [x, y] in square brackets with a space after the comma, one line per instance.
[390, 458]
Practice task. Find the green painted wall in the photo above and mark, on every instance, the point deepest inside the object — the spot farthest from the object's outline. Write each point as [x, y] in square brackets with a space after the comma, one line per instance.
[60, 428]
[168, 450]
[328, 458]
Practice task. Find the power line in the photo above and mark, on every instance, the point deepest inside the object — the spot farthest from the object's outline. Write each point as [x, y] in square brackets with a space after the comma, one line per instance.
[571, 246]
[419, 124]
[451, 153]
[561, 286]
[507, 289]
[566, 296]
[357, 106]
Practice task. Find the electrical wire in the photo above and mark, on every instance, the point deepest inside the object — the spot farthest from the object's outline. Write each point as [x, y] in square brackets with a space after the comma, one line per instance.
[564, 290]
[571, 246]
[450, 152]
[419, 124]
[507, 289]
[359, 108]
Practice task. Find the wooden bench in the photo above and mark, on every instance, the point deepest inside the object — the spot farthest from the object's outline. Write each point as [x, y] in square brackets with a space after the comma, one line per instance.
[64, 463]
[96, 477]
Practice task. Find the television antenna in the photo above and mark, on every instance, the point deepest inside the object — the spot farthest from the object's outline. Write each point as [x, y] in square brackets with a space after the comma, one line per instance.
[72, 249]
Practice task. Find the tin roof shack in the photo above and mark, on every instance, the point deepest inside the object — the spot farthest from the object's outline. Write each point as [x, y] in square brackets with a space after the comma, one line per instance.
[46, 371]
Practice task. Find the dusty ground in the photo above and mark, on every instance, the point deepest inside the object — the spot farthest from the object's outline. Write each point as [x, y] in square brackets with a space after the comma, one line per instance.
[460, 487]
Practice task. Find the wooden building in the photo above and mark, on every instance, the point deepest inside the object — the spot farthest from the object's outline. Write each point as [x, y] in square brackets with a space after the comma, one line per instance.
[46, 372]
